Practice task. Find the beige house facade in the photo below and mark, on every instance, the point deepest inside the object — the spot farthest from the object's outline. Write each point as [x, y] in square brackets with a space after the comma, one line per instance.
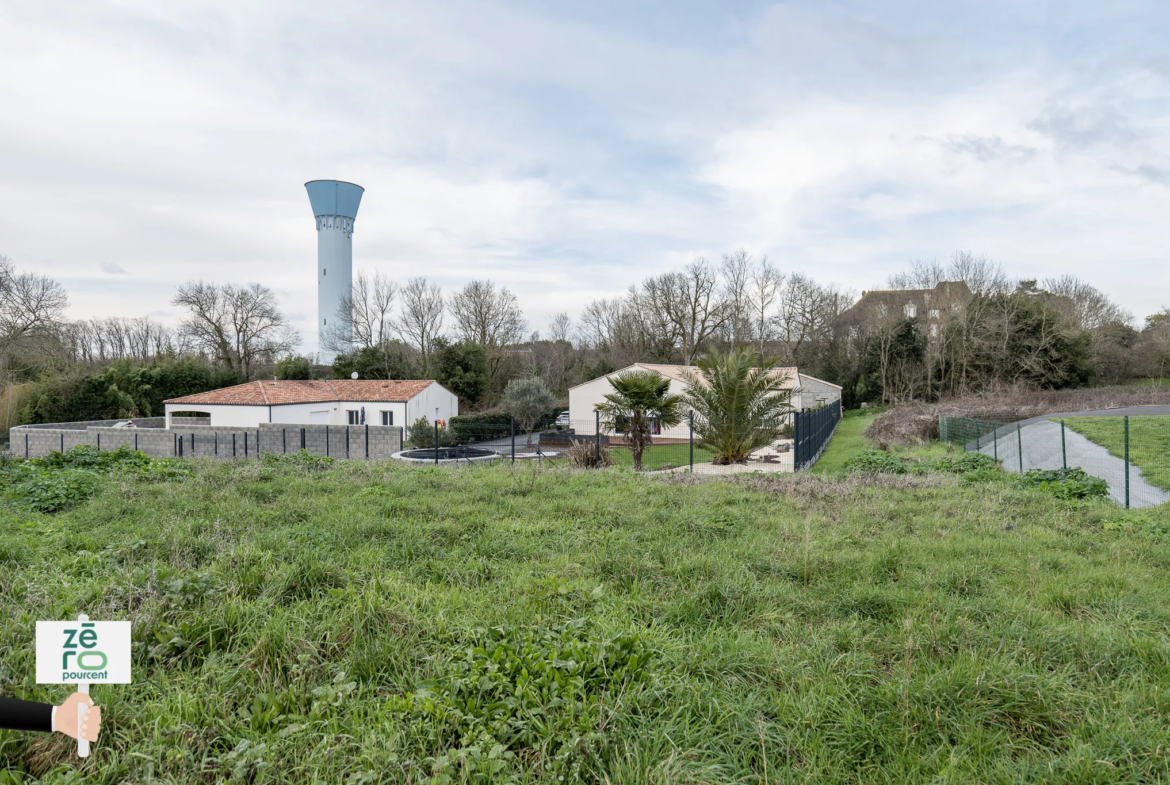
[808, 392]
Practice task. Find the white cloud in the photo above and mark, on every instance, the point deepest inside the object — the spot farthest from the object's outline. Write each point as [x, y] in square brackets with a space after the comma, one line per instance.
[568, 155]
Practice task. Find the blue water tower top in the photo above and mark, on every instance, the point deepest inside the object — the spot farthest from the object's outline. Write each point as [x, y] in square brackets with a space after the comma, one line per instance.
[334, 197]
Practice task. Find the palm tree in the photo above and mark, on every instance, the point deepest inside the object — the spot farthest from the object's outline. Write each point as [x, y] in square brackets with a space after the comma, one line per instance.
[639, 398]
[740, 403]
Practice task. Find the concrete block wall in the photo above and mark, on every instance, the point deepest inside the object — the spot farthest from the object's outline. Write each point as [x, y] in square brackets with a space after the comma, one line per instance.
[380, 441]
[81, 425]
[336, 441]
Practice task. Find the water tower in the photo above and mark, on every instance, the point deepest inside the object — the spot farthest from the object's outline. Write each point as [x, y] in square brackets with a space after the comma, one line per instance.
[335, 205]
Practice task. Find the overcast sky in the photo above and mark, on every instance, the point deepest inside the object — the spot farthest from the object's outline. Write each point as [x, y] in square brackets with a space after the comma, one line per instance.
[568, 149]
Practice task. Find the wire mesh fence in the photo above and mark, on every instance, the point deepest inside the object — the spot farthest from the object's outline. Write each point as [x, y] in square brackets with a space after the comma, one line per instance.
[1130, 453]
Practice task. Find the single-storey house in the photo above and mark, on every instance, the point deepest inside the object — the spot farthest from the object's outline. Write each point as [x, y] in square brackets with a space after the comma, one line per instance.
[325, 402]
[808, 392]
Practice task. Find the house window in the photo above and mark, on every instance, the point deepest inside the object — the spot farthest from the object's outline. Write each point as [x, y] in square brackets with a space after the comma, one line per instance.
[387, 418]
[354, 416]
[911, 310]
[934, 331]
[933, 313]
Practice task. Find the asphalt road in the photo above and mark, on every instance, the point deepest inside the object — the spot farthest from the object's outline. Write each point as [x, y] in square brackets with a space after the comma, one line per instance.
[1040, 439]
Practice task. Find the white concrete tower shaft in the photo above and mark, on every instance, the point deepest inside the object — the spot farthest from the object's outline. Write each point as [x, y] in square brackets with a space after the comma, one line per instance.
[335, 205]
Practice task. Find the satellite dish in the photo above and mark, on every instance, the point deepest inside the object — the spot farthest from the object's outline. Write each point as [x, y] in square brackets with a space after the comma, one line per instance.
[353, 375]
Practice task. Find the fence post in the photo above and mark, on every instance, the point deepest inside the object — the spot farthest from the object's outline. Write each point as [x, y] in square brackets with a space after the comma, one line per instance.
[995, 441]
[245, 444]
[26, 445]
[193, 453]
[63, 442]
[596, 435]
[284, 441]
[367, 441]
[216, 443]
[302, 438]
[233, 444]
[326, 441]
[1127, 461]
[436, 442]
[1063, 449]
[512, 425]
[99, 444]
[1020, 445]
[691, 439]
[347, 442]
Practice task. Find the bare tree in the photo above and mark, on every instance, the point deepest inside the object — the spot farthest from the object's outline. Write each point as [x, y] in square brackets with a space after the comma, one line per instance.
[1088, 307]
[237, 325]
[365, 319]
[982, 275]
[31, 306]
[421, 319]
[681, 309]
[612, 328]
[560, 329]
[763, 295]
[806, 314]
[97, 341]
[490, 317]
[737, 269]
[486, 315]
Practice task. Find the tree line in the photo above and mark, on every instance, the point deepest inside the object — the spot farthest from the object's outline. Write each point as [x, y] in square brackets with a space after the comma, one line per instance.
[888, 346]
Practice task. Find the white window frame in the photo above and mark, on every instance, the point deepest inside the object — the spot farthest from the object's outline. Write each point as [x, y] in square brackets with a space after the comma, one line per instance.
[353, 417]
[387, 416]
[911, 310]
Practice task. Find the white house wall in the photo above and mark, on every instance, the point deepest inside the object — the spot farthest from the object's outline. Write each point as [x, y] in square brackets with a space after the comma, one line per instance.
[435, 396]
[241, 416]
[222, 415]
[584, 398]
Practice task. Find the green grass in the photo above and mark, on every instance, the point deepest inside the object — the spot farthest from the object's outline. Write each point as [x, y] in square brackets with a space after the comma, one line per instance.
[1149, 442]
[847, 441]
[379, 623]
[661, 455]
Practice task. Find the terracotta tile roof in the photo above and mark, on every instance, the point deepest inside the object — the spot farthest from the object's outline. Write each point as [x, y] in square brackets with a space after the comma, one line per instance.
[269, 393]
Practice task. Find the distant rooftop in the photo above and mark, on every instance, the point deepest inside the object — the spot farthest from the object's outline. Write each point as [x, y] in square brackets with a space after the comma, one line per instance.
[275, 393]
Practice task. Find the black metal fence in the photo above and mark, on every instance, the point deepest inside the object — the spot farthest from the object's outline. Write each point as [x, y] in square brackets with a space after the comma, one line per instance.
[812, 429]
[794, 446]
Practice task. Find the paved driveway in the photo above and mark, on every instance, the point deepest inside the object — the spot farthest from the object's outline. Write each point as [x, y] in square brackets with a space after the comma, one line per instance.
[1040, 440]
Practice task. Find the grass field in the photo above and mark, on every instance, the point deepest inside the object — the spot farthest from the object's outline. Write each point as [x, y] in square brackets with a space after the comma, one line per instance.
[660, 455]
[847, 441]
[355, 623]
[1149, 442]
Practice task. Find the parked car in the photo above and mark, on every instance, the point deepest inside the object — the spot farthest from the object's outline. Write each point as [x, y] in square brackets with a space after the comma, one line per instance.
[562, 420]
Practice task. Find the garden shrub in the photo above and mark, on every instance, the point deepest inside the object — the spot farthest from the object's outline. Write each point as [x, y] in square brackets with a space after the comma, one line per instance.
[875, 461]
[584, 455]
[421, 434]
[972, 466]
[1072, 483]
[59, 481]
[301, 458]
